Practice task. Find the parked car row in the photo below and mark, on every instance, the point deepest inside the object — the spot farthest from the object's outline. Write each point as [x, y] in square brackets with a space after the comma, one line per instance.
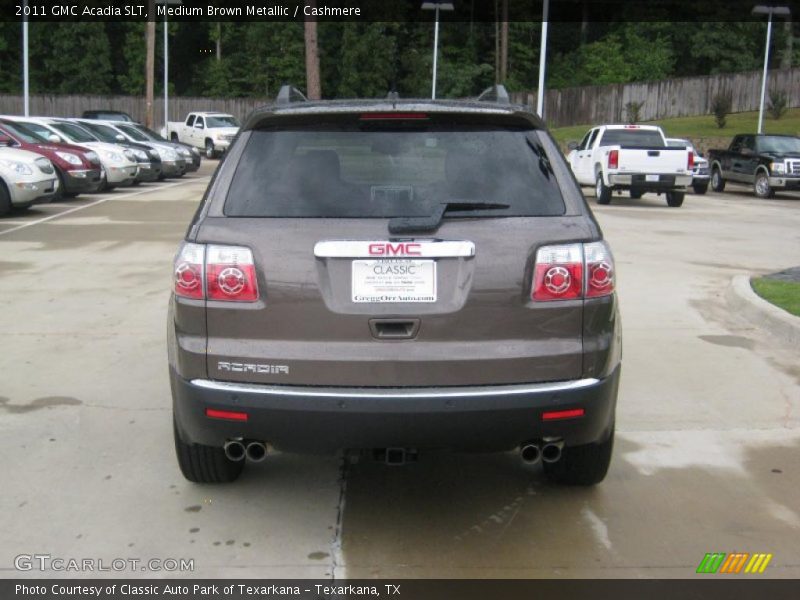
[42, 158]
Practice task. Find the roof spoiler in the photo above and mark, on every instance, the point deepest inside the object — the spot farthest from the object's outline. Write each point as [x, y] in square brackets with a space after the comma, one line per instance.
[496, 93]
[289, 94]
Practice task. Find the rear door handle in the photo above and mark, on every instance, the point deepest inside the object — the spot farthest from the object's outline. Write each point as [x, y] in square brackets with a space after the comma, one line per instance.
[394, 329]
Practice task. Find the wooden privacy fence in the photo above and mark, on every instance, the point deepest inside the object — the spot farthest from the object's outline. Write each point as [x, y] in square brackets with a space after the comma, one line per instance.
[685, 97]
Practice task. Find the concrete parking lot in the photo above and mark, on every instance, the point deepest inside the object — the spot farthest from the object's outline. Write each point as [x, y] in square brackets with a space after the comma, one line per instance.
[707, 453]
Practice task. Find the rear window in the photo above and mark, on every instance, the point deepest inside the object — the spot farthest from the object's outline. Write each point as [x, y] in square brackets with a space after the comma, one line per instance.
[381, 171]
[632, 138]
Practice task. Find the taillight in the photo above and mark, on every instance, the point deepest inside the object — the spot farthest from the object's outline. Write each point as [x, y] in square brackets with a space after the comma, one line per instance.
[559, 273]
[690, 161]
[189, 281]
[613, 159]
[224, 273]
[231, 274]
[573, 271]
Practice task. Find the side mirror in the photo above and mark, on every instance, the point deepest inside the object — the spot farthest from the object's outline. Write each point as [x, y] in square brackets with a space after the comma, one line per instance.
[119, 137]
[54, 138]
[5, 140]
[573, 145]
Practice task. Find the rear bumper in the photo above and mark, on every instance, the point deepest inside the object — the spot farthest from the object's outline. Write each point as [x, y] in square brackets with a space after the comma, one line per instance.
[639, 181]
[323, 420]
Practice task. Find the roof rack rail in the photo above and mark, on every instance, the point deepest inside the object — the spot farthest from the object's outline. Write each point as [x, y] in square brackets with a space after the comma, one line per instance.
[289, 94]
[496, 93]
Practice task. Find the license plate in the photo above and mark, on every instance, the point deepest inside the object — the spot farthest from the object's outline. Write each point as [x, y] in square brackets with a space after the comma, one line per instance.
[395, 280]
[651, 177]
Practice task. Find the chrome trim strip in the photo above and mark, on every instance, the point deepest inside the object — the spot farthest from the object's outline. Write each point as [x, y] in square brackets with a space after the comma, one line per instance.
[422, 249]
[463, 392]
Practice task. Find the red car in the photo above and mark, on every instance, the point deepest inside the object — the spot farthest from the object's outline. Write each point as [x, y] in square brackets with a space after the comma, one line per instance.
[78, 168]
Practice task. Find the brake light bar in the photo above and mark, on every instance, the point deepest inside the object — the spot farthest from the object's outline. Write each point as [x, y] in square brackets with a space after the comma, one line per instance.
[573, 272]
[228, 415]
[214, 272]
[556, 415]
[393, 116]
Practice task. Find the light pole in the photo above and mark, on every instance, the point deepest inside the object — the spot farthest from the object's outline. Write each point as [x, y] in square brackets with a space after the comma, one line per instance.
[542, 60]
[166, 62]
[25, 70]
[437, 6]
[781, 11]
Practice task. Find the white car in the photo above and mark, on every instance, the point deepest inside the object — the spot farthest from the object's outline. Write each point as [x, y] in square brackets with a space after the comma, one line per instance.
[26, 178]
[211, 131]
[120, 164]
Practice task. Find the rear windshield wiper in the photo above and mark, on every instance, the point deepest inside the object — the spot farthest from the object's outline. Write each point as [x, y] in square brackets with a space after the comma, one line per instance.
[432, 221]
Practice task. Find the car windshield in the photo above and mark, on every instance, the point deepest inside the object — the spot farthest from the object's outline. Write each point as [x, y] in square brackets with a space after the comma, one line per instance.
[133, 133]
[26, 135]
[221, 122]
[632, 138]
[783, 144]
[347, 171]
[103, 132]
[75, 133]
[152, 135]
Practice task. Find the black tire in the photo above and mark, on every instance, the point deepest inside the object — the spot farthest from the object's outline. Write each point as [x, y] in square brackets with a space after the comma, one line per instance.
[210, 152]
[5, 200]
[636, 194]
[582, 465]
[717, 182]
[675, 199]
[602, 192]
[205, 464]
[761, 186]
[700, 188]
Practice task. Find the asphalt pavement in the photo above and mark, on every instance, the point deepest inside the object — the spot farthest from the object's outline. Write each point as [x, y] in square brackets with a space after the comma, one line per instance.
[708, 435]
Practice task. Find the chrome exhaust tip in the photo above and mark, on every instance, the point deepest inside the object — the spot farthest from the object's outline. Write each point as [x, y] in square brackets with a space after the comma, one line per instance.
[256, 451]
[530, 453]
[552, 452]
[234, 450]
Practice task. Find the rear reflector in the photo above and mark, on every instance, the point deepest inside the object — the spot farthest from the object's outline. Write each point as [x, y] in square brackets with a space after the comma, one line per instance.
[389, 116]
[690, 161]
[613, 159]
[226, 414]
[555, 415]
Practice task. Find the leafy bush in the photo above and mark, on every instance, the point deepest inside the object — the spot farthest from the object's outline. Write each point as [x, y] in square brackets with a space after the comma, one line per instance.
[778, 104]
[633, 111]
[721, 107]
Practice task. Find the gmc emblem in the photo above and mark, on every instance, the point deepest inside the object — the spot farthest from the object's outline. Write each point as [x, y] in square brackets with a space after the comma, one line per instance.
[398, 249]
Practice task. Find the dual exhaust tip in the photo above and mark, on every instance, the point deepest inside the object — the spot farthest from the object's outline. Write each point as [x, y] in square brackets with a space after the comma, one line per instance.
[549, 452]
[237, 450]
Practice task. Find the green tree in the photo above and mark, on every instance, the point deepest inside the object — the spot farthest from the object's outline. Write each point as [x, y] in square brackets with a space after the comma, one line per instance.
[76, 59]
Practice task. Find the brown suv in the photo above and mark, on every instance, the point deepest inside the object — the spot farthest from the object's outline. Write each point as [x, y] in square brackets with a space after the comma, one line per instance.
[394, 275]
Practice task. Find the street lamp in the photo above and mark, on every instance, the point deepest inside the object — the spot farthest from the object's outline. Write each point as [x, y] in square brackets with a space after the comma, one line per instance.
[25, 70]
[166, 63]
[780, 11]
[542, 55]
[437, 6]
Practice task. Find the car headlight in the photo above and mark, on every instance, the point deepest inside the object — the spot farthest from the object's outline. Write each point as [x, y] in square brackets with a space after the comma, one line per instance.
[92, 156]
[130, 154]
[184, 151]
[72, 159]
[113, 156]
[17, 167]
[167, 154]
[778, 168]
[140, 155]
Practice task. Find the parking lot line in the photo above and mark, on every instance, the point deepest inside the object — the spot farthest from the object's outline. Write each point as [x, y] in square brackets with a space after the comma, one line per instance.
[100, 201]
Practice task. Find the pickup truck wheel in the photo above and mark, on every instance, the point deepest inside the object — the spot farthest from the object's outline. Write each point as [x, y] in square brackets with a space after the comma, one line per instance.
[210, 152]
[636, 194]
[582, 465]
[5, 200]
[675, 199]
[205, 464]
[700, 188]
[761, 186]
[602, 192]
[717, 182]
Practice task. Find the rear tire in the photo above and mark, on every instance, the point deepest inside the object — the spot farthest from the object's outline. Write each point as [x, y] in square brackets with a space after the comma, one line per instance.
[675, 199]
[602, 192]
[700, 188]
[205, 464]
[761, 186]
[582, 465]
[636, 194]
[717, 182]
[210, 152]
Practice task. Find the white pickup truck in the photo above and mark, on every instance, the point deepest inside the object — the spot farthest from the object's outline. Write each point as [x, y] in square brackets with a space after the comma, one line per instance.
[211, 131]
[631, 157]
